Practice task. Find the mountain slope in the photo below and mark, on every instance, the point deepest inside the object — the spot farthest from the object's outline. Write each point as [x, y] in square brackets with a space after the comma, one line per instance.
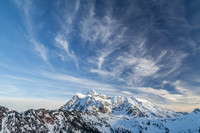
[59, 121]
[44, 121]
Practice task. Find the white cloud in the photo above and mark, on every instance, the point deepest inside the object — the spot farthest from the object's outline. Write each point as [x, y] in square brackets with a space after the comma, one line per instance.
[66, 23]
[26, 6]
[101, 60]
[129, 54]
[41, 49]
[81, 82]
[173, 61]
[161, 56]
[127, 93]
[102, 72]
[62, 43]
[103, 30]
[96, 30]
[145, 68]
[191, 93]
[77, 6]
[112, 36]
[149, 92]
[140, 67]
[70, 17]
[98, 61]
[186, 97]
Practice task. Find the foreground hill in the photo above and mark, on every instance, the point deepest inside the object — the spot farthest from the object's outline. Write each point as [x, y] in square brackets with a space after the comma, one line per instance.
[93, 112]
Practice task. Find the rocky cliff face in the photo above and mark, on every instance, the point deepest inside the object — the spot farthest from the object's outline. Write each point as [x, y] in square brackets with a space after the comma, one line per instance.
[95, 113]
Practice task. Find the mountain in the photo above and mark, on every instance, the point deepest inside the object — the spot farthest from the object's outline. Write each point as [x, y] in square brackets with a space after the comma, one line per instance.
[95, 113]
[133, 107]
[43, 121]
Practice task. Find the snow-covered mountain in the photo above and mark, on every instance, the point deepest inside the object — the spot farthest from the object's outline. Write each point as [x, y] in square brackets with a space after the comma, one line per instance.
[43, 121]
[94, 113]
[94, 103]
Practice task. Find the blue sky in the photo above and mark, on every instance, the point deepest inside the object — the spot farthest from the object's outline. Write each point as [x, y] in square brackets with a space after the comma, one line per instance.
[51, 50]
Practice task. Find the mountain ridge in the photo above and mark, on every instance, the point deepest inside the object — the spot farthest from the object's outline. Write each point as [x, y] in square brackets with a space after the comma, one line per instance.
[81, 116]
[94, 102]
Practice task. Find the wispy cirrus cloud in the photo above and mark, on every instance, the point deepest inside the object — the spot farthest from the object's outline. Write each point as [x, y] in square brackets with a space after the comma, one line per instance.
[26, 7]
[66, 16]
[185, 95]
[124, 55]
[71, 18]
[41, 49]
[104, 38]
[62, 43]
[66, 23]
[46, 83]
[81, 82]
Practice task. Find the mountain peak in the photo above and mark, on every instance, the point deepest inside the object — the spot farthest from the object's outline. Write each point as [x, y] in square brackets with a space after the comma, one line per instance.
[92, 92]
[197, 110]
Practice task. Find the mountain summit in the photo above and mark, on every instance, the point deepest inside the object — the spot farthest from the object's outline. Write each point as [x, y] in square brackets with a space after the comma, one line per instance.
[117, 105]
[92, 92]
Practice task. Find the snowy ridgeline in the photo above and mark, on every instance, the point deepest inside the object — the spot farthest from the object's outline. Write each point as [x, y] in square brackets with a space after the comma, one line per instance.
[93, 112]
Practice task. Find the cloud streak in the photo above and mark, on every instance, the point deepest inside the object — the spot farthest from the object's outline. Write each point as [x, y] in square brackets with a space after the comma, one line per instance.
[184, 97]
[62, 37]
[26, 6]
[81, 82]
[62, 43]
[41, 49]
